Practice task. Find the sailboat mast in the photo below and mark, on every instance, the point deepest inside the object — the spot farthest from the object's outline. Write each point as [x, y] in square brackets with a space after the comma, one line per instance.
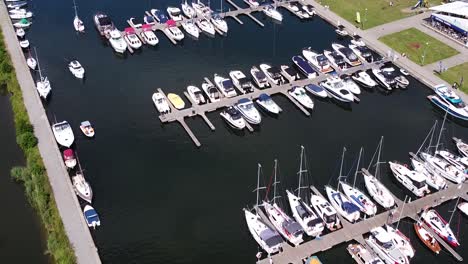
[401, 213]
[274, 181]
[38, 64]
[378, 157]
[341, 169]
[431, 133]
[440, 133]
[300, 173]
[258, 182]
[74, 6]
[357, 167]
[453, 212]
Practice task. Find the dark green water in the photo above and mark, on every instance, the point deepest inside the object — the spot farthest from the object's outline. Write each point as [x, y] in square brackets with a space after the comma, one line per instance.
[162, 200]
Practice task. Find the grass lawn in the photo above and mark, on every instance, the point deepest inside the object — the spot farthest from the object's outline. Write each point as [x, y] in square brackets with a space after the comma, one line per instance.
[454, 74]
[416, 44]
[378, 11]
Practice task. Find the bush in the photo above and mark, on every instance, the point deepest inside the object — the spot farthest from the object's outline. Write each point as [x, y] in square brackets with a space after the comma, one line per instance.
[26, 140]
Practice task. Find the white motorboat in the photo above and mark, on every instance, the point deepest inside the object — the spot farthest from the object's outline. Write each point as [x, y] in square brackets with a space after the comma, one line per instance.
[174, 13]
[196, 94]
[326, 212]
[364, 79]
[132, 39]
[401, 241]
[63, 133]
[32, 63]
[335, 59]
[303, 214]
[161, 103]
[289, 73]
[174, 32]
[233, 118]
[69, 158]
[432, 179]
[16, 4]
[267, 103]
[340, 30]
[440, 226]
[288, 228]
[309, 9]
[361, 200]
[190, 28]
[219, 23]
[336, 88]
[268, 239]
[225, 85]
[463, 206]
[362, 255]
[300, 95]
[116, 41]
[350, 84]
[201, 9]
[304, 67]
[20, 14]
[206, 26]
[459, 162]
[442, 167]
[461, 146]
[271, 11]
[159, 15]
[76, 69]
[412, 180]
[91, 216]
[401, 81]
[103, 23]
[211, 92]
[259, 77]
[188, 10]
[449, 101]
[319, 61]
[77, 22]
[273, 74]
[23, 23]
[20, 32]
[253, 3]
[342, 205]
[348, 55]
[149, 36]
[363, 53]
[24, 43]
[82, 187]
[378, 191]
[358, 41]
[241, 81]
[292, 6]
[385, 78]
[380, 241]
[248, 111]
[316, 90]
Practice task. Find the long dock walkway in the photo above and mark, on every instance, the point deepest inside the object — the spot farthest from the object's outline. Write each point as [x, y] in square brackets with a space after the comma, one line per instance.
[67, 203]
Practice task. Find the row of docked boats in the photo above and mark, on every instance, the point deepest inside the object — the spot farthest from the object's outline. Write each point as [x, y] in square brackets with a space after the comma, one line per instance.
[447, 100]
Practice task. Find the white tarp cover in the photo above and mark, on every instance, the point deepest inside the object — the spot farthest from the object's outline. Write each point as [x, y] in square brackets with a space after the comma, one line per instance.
[457, 8]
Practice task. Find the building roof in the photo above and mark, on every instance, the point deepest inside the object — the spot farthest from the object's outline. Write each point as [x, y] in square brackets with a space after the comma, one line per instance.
[457, 8]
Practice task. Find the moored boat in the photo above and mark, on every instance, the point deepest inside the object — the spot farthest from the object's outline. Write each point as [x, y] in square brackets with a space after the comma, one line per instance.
[439, 226]
[161, 103]
[342, 205]
[196, 94]
[233, 118]
[427, 238]
[176, 101]
[449, 101]
[69, 158]
[461, 146]
[259, 77]
[87, 129]
[267, 103]
[412, 180]
[211, 92]
[304, 66]
[91, 216]
[326, 212]
[316, 90]
[63, 134]
[301, 96]
[364, 79]
[247, 109]
[82, 187]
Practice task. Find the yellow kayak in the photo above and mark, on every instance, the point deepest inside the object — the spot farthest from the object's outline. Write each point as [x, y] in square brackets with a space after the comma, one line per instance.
[176, 101]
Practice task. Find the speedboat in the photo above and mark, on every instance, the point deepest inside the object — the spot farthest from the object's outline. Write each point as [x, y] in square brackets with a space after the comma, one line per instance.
[463, 206]
[461, 146]
[336, 88]
[267, 238]
[161, 103]
[32, 63]
[173, 31]
[412, 180]
[201, 9]
[233, 118]
[176, 101]
[211, 92]
[219, 23]
[23, 23]
[190, 28]
[289, 73]
[363, 53]
[341, 31]
[17, 4]
[364, 79]
[43, 87]
[63, 133]
[326, 212]
[248, 111]
[358, 41]
[253, 3]
[82, 187]
[174, 13]
[196, 94]
[149, 20]
[159, 16]
[241, 81]
[271, 11]
[380, 241]
[288, 228]
[378, 191]
[188, 10]
[439, 226]
[359, 199]
[362, 255]
[442, 167]
[427, 238]
[316, 90]
[206, 26]
[301, 96]
[335, 59]
[432, 179]
[20, 32]
[78, 24]
[385, 78]
[292, 6]
[134, 23]
[449, 101]
[149, 36]
[348, 55]
[304, 67]
[309, 9]
[460, 163]
[319, 61]
[76, 69]
[401, 241]
[24, 43]
[350, 84]
[103, 23]
[132, 39]
[116, 41]
[402, 81]
[259, 77]
[342, 205]
[225, 85]
[69, 158]
[19, 13]
[87, 129]
[273, 74]
[303, 214]
[267, 103]
[91, 216]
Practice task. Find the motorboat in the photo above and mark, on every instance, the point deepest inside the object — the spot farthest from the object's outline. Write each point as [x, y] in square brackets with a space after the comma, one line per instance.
[77, 22]
[378, 191]
[132, 39]
[348, 55]
[253, 3]
[439, 226]
[117, 42]
[103, 23]
[401, 241]
[463, 206]
[91, 216]
[292, 6]
[271, 11]
[461, 146]
[289, 73]
[206, 26]
[20, 32]
[404, 72]
[69, 158]
[319, 61]
[174, 13]
[225, 85]
[24, 43]
[32, 63]
[211, 92]
[300, 95]
[76, 69]
[337, 89]
[326, 212]
[273, 74]
[161, 103]
[335, 59]
[427, 238]
[385, 78]
[287, 227]
[380, 241]
[63, 133]
[412, 180]
[361, 200]
[241, 82]
[22, 23]
[82, 187]
[350, 84]
[362, 52]
[432, 179]
[449, 101]
[304, 67]
[342, 205]
[219, 23]
[87, 129]
[135, 23]
[267, 238]
[201, 9]
[148, 35]
[340, 30]
[316, 90]
[305, 216]
[248, 111]
[402, 81]
[149, 20]
[267, 103]
[20, 14]
[259, 77]
[190, 28]
[196, 94]
[364, 79]
[442, 167]
[188, 10]
[176, 101]
[159, 16]
[362, 255]
[233, 118]
[17, 4]
[173, 31]
[358, 41]
[459, 162]
[309, 9]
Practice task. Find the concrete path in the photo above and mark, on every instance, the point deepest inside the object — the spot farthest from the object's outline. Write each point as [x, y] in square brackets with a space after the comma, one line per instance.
[448, 63]
[396, 26]
[70, 211]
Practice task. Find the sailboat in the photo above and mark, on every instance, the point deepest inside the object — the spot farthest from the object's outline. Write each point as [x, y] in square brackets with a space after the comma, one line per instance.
[43, 84]
[81, 186]
[77, 23]
[399, 239]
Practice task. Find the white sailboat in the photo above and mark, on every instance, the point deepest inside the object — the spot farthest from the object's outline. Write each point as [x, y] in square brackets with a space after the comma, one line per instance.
[401, 241]
[81, 186]
[380, 241]
[43, 84]
[77, 22]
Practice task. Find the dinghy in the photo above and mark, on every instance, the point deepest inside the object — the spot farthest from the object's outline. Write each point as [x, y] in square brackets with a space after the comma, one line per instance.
[87, 129]
[69, 158]
[20, 32]
[23, 23]
[24, 43]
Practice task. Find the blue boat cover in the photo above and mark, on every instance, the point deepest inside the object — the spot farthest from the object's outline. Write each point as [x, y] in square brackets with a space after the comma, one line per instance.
[264, 97]
[314, 88]
[303, 64]
[243, 100]
[91, 216]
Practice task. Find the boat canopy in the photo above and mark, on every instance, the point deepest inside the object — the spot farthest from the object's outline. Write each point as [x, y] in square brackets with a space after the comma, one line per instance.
[264, 97]
[293, 228]
[129, 30]
[85, 123]
[91, 216]
[314, 87]
[233, 112]
[270, 237]
[171, 23]
[303, 64]
[243, 101]
[228, 85]
[104, 21]
[68, 154]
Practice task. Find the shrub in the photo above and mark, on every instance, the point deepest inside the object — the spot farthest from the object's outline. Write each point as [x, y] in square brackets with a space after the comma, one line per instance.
[26, 140]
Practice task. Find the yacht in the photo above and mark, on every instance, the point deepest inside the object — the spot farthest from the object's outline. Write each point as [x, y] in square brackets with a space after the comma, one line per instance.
[76, 69]
[361, 200]
[301, 96]
[309, 221]
[219, 23]
[319, 61]
[149, 36]
[335, 59]
[336, 88]
[348, 55]
[461, 146]
[87, 129]
[271, 11]
[63, 133]
[211, 92]
[309, 9]
[463, 206]
[432, 179]
[196, 94]
[201, 9]
[206, 26]
[449, 101]
[32, 63]
[91, 216]
[173, 31]
[241, 82]
[326, 212]
[412, 180]
[363, 53]
[401, 241]
[259, 77]
[117, 42]
[380, 241]
[316, 90]
[159, 16]
[460, 163]
[225, 85]
[358, 41]
[103, 23]
[289, 73]
[24, 43]
[273, 74]
[288, 228]
[342, 205]
[174, 13]
[378, 191]
[362, 255]
[304, 67]
[17, 4]
[248, 111]
[350, 84]
[188, 10]
[20, 13]
[132, 39]
[364, 79]
[385, 77]
[69, 158]
[233, 118]
[439, 226]
[267, 103]
[442, 167]
[20, 32]
[190, 28]
[82, 187]
[23, 23]
[161, 103]
[267, 238]
[427, 238]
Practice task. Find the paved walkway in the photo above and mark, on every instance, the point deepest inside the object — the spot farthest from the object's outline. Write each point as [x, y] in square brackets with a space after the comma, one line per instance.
[65, 198]
[397, 25]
